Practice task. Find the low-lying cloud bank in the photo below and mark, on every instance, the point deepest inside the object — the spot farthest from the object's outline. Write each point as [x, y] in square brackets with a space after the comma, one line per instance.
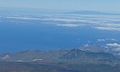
[97, 22]
[114, 47]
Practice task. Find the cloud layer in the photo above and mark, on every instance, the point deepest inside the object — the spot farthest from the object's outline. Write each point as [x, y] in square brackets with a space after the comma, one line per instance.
[106, 23]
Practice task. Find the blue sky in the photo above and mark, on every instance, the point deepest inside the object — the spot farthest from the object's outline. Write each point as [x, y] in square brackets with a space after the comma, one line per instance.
[98, 5]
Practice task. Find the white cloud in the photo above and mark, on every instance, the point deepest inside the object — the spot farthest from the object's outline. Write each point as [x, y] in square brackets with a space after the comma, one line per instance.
[68, 25]
[86, 45]
[37, 59]
[5, 57]
[108, 28]
[96, 22]
[113, 47]
[23, 18]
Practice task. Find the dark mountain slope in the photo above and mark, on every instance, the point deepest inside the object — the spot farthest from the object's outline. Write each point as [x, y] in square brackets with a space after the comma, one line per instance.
[78, 56]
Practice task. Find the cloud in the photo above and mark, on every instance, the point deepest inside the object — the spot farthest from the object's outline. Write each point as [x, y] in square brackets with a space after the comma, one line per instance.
[68, 25]
[114, 48]
[106, 23]
[108, 28]
[23, 18]
[113, 45]
[5, 57]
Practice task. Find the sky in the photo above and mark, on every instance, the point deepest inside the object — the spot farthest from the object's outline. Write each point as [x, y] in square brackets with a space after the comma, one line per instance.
[97, 5]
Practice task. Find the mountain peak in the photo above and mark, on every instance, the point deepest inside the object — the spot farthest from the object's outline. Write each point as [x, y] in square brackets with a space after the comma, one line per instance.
[79, 55]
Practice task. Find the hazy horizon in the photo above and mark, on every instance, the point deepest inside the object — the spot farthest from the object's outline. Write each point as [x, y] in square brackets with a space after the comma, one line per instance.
[64, 5]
